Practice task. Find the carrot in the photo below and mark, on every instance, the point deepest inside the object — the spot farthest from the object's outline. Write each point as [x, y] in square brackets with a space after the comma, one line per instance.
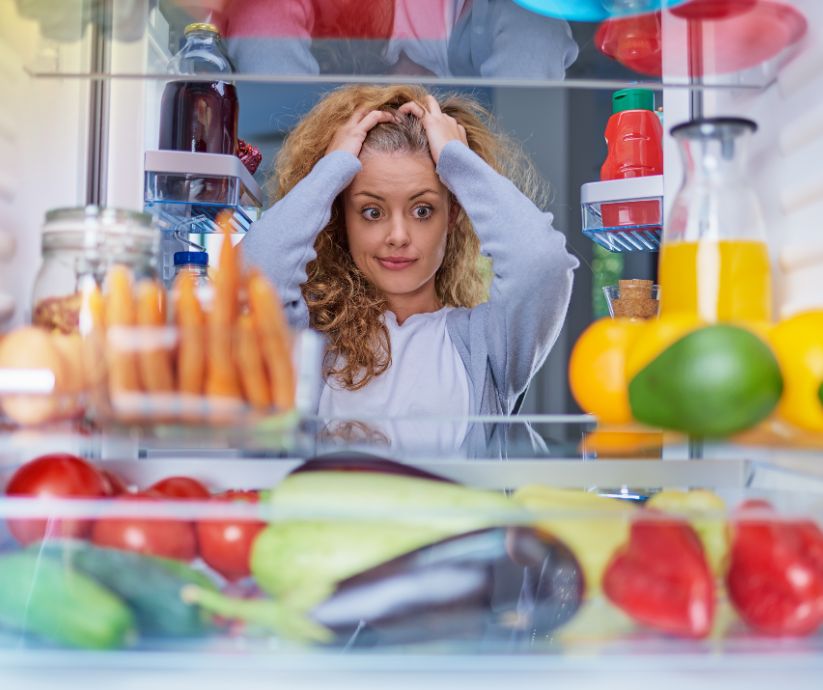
[221, 379]
[154, 359]
[92, 331]
[191, 324]
[250, 364]
[120, 314]
[275, 341]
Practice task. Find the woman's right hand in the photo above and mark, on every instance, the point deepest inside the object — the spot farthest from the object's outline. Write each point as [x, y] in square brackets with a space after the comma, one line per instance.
[352, 133]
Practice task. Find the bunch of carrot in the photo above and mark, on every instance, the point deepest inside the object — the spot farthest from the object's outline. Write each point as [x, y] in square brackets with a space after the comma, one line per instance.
[237, 349]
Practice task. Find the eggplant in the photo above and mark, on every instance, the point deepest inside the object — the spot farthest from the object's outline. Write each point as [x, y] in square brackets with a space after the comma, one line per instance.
[363, 462]
[510, 583]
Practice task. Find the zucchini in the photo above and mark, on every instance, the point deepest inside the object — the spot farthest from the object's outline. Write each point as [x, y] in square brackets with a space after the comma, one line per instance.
[41, 595]
[149, 585]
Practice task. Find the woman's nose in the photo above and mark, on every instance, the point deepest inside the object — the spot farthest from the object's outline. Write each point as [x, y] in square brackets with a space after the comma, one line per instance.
[398, 234]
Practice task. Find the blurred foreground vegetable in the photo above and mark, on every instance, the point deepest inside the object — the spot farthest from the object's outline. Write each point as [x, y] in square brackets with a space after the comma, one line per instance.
[492, 582]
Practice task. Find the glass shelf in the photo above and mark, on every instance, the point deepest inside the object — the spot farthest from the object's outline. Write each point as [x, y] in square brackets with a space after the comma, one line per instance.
[686, 44]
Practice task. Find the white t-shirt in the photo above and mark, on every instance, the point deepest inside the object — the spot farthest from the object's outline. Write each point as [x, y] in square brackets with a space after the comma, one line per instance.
[426, 382]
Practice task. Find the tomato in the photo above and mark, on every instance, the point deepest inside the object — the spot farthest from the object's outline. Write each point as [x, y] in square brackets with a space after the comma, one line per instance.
[160, 536]
[115, 484]
[226, 545]
[57, 475]
[179, 488]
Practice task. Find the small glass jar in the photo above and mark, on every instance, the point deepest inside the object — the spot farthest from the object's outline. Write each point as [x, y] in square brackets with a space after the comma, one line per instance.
[79, 245]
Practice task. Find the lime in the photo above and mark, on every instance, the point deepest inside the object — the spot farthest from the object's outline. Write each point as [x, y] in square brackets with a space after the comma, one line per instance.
[714, 381]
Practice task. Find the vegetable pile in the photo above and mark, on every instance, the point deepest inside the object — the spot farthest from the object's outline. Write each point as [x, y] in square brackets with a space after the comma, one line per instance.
[353, 551]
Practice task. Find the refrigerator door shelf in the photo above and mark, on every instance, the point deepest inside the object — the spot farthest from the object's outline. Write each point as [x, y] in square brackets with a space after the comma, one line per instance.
[191, 190]
[624, 215]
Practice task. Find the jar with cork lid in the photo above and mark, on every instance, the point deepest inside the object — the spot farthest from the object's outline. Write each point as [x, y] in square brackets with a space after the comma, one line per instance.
[633, 299]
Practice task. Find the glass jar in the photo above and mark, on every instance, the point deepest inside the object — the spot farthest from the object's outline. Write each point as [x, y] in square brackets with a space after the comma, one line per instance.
[714, 260]
[200, 116]
[79, 245]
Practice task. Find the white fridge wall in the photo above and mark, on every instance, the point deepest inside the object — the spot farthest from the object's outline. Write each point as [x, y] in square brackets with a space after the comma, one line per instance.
[43, 134]
[785, 162]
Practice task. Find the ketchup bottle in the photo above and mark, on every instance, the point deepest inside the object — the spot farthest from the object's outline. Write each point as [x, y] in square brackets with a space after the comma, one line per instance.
[635, 139]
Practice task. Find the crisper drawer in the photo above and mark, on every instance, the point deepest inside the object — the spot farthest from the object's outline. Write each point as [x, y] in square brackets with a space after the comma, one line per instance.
[353, 564]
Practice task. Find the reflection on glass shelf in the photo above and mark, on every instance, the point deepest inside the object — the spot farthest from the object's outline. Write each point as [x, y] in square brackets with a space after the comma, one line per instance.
[523, 438]
[705, 43]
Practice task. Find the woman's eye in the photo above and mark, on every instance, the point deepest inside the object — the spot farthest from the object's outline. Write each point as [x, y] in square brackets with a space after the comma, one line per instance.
[371, 213]
[423, 212]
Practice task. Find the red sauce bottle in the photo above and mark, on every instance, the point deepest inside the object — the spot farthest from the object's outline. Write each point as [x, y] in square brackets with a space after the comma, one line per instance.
[635, 139]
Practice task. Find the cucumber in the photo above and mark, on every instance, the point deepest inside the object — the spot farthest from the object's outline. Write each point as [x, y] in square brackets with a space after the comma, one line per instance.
[43, 596]
[149, 585]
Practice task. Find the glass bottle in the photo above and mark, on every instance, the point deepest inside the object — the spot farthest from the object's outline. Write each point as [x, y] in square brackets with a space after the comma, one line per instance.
[714, 260]
[200, 115]
[79, 245]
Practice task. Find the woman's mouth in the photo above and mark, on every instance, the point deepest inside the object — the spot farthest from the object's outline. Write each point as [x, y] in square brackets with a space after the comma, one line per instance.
[395, 263]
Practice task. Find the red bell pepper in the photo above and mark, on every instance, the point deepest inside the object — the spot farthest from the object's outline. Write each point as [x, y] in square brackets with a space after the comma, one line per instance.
[775, 577]
[661, 578]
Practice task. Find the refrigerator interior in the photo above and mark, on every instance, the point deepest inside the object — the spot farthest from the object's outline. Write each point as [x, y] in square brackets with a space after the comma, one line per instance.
[83, 114]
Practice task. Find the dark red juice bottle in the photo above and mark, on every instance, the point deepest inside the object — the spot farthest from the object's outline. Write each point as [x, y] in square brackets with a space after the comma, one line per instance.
[200, 115]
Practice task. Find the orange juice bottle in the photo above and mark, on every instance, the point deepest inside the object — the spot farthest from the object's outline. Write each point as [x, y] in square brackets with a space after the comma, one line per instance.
[725, 280]
[714, 260]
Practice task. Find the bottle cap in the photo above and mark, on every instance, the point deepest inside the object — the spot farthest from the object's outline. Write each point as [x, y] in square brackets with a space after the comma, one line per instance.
[200, 26]
[196, 258]
[632, 99]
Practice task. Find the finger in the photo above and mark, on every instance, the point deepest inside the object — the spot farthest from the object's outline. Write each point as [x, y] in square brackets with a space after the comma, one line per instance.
[375, 117]
[412, 108]
[432, 105]
[463, 136]
[358, 115]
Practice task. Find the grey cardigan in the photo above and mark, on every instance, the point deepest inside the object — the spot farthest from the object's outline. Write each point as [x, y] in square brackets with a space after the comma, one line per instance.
[502, 342]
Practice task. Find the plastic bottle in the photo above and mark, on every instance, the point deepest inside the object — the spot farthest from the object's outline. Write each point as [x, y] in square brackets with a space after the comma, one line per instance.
[200, 116]
[196, 263]
[635, 149]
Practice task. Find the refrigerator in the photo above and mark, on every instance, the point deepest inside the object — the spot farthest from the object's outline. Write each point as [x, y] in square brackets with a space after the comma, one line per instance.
[79, 125]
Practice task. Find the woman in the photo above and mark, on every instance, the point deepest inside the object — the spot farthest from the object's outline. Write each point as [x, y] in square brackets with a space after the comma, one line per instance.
[387, 197]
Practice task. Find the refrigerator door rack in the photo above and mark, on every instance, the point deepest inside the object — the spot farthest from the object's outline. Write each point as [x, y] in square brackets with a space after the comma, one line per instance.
[191, 189]
[624, 215]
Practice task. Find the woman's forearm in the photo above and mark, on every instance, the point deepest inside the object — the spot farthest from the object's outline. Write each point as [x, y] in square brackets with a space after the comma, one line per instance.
[281, 243]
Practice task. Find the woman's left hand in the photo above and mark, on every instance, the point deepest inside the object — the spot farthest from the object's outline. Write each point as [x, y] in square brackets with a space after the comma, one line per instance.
[440, 128]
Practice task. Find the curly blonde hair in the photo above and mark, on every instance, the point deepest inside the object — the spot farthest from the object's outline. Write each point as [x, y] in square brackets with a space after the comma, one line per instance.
[342, 303]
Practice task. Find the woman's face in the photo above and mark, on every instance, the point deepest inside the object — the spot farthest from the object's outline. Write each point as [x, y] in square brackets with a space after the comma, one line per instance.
[397, 219]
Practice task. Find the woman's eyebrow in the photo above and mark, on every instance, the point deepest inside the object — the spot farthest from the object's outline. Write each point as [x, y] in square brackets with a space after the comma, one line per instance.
[380, 198]
[425, 191]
